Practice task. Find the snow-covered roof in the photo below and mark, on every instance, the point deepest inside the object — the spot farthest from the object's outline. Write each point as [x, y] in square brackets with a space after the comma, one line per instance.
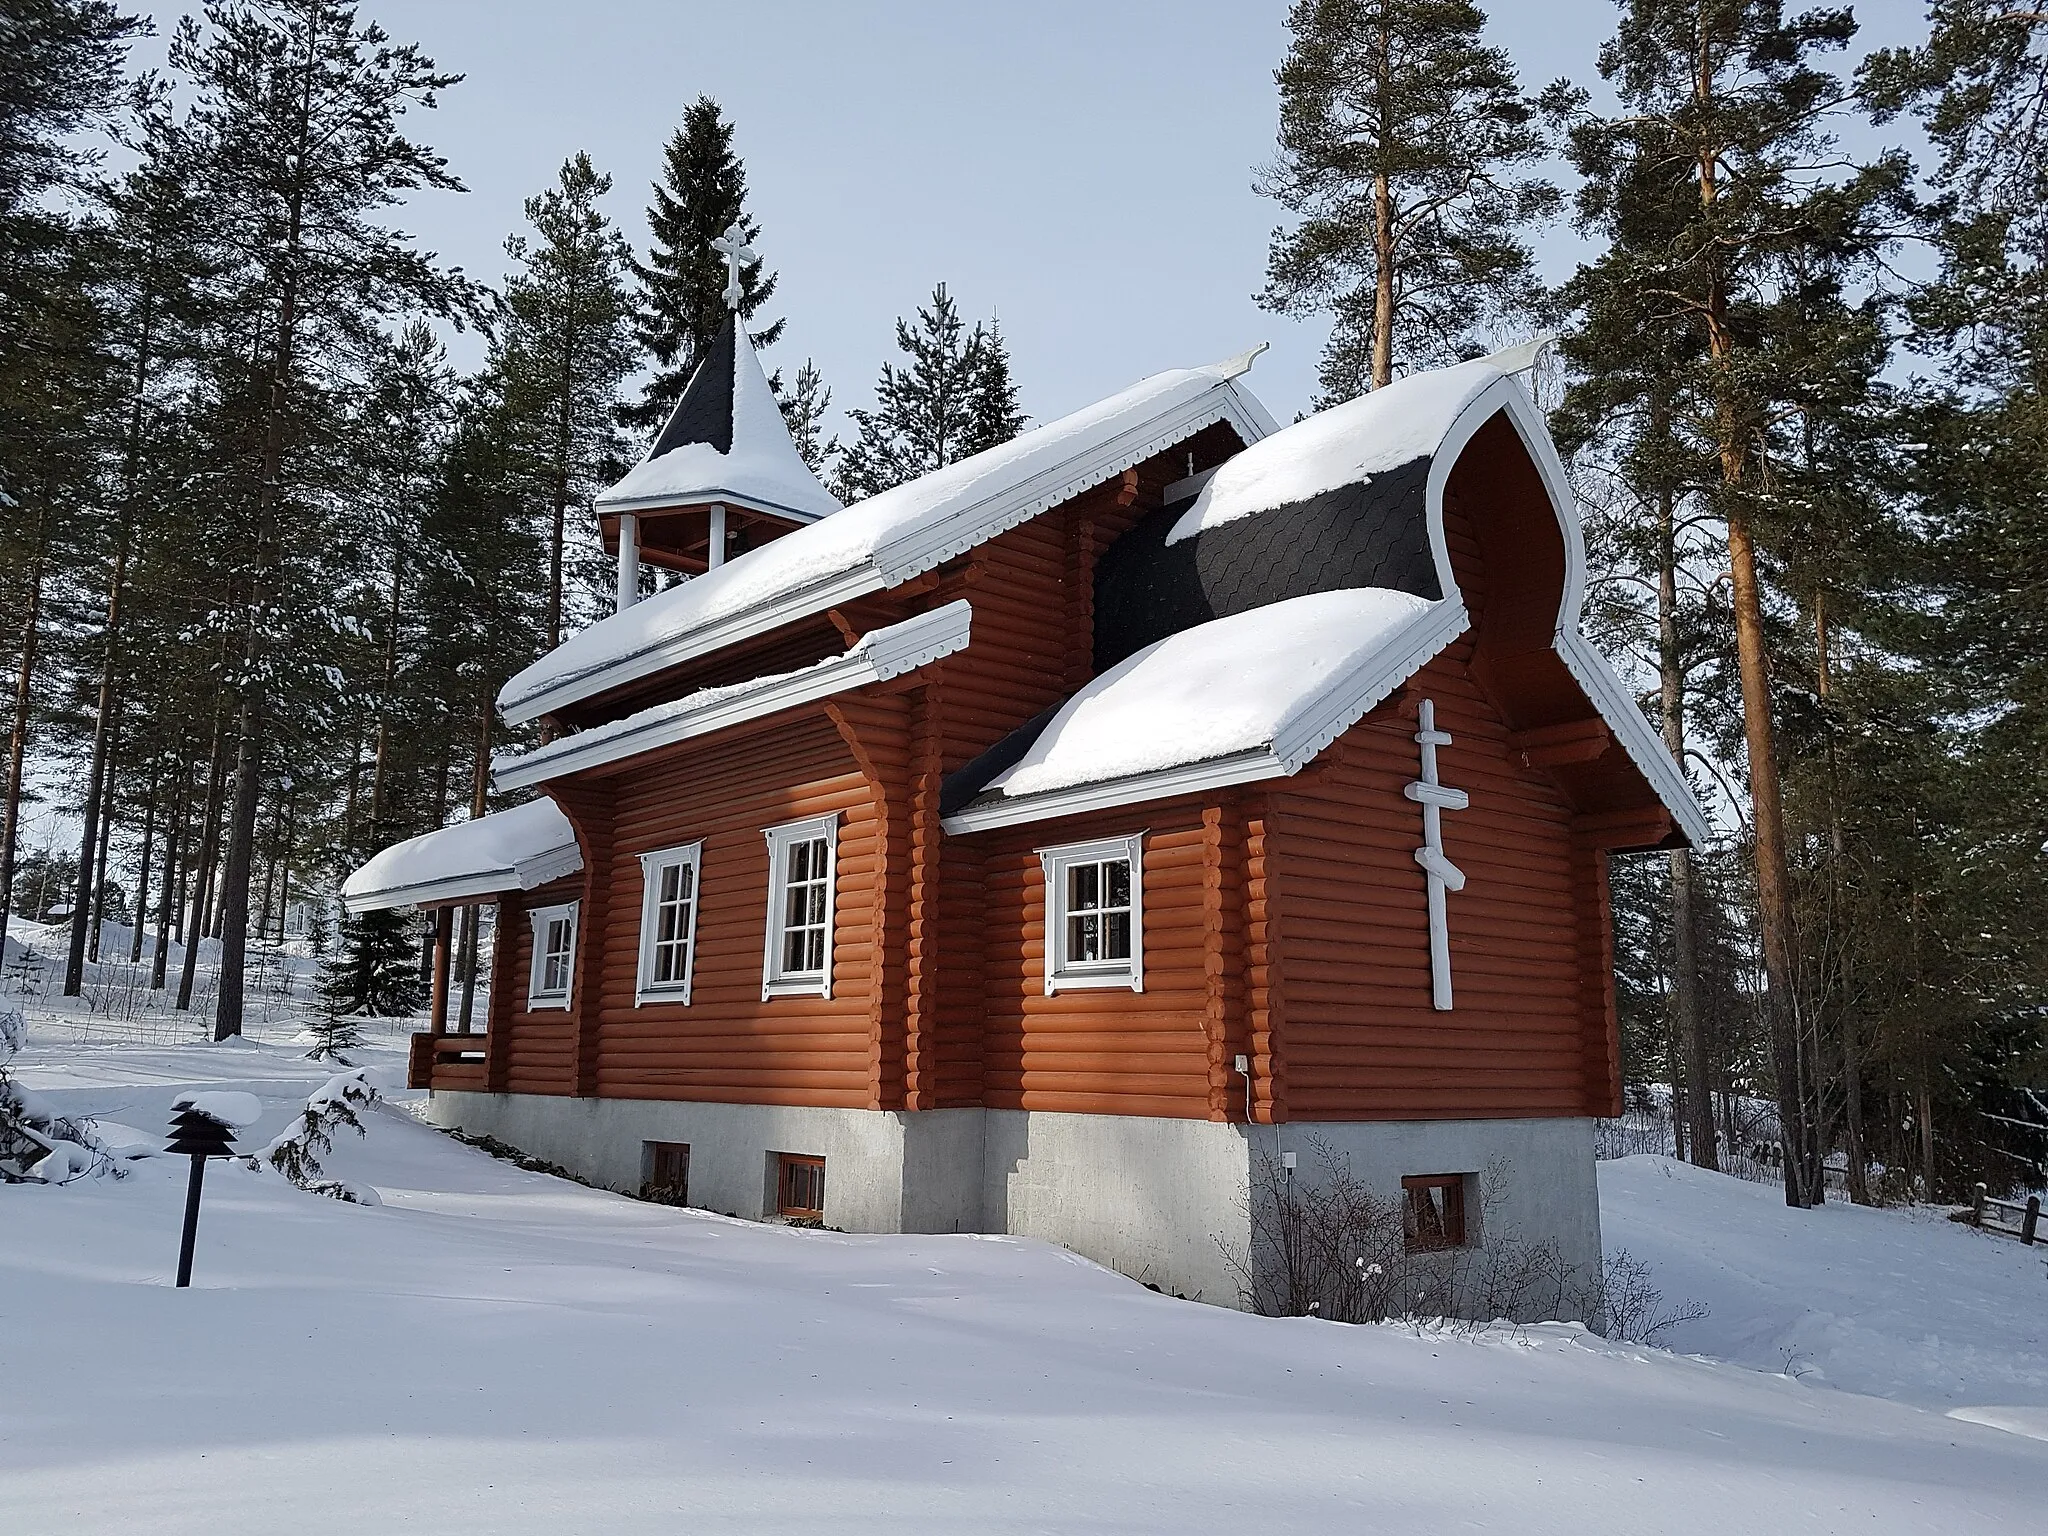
[1308, 577]
[889, 538]
[1348, 443]
[512, 850]
[876, 657]
[1251, 696]
[725, 441]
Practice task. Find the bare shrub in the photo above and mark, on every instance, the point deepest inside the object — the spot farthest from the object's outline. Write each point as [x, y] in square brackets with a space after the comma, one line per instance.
[1633, 1307]
[1325, 1244]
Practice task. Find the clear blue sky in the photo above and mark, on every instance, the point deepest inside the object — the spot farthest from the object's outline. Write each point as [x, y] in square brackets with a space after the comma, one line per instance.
[1083, 170]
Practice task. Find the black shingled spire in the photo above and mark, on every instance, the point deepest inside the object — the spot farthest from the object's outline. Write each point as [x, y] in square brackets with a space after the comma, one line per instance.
[704, 414]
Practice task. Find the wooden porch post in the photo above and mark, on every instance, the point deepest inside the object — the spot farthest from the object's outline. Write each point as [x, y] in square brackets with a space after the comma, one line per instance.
[444, 931]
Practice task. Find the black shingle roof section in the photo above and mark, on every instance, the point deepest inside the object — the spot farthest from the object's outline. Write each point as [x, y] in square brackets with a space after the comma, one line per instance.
[970, 779]
[704, 414]
[1370, 534]
[1373, 533]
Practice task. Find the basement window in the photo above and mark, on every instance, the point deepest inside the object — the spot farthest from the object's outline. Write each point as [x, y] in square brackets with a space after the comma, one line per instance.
[667, 1165]
[668, 923]
[554, 956]
[1094, 914]
[800, 1187]
[801, 858]
[1433, 1211]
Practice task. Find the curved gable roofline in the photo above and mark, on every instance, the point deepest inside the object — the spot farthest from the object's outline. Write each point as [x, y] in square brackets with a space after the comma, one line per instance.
[1434, 423]
[1609, 695]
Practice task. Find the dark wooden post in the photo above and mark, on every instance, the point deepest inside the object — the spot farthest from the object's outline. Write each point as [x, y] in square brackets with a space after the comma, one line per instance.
[1977, 1206]
[2030, 1223]
[444, 932]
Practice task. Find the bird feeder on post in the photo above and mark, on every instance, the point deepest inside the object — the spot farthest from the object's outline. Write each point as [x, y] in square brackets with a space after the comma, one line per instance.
[198, 1133]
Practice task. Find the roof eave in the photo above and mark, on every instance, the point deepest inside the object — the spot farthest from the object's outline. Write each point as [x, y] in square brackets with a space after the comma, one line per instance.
[891, 565]
[609, 505]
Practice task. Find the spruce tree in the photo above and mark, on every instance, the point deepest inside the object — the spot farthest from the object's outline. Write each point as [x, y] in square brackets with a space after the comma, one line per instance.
[564, 345]
[952, 397]
[803, 411]
[702, 193]
[1405, 146]
[373, 971]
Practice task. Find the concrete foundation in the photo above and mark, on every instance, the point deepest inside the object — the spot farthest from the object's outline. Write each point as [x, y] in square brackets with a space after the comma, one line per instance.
[1159, 1200]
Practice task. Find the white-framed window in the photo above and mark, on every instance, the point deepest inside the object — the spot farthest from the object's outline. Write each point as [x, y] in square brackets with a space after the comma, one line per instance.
[1095, 914]
[668, 923]
[801, 858]
[553, 975]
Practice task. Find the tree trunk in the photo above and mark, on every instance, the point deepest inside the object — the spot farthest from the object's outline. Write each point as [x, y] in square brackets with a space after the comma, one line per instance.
[140, 915]
[384, 696]
[17, 750]
[1383, 221]
[472, 916]
[96, 775]
[1685, 969]
[202, 872]
[99, 865]
[169, 902]
[1773, 881]
[1852, 1044]
[234, 923]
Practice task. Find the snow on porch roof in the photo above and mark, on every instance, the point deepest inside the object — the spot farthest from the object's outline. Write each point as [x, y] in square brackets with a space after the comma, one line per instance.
[725, 441]
[889, 538]
[1255, 695]
[513, 850]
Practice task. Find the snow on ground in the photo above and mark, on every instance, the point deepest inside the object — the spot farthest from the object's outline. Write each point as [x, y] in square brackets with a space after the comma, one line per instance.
[1902, 1304]
[496, 1351]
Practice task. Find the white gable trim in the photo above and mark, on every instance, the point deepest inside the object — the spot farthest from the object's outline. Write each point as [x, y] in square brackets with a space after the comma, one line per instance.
[876, 657]
[896, 561]
[1581, 658]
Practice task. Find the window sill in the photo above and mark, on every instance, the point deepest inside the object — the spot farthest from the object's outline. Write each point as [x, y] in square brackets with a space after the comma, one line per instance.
[544, 1004]
[797, 986]
[1067, 981]
[652, 996]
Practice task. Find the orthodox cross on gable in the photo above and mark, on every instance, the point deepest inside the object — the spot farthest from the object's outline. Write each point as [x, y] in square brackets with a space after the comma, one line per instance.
[732, 245]
[1435, 799]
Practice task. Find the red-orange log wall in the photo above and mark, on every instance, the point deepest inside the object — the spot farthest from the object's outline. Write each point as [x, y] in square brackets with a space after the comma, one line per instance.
[1285, 922]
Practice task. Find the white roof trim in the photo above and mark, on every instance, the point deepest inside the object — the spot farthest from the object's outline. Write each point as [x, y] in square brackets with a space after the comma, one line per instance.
[875, 657]
[1346, 700]
[1189, 778]
[917, 549]
[746, 501]
[509, 850]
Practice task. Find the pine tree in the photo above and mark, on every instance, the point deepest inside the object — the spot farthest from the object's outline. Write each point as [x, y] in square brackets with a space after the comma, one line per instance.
[702, 193]
[953, 398]
[1404, 147]
[1724, 100]
[564, 346]
[296, 122]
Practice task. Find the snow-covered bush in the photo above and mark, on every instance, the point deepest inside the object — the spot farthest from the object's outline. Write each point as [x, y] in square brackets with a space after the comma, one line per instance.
[37, 1143]
[296, 1152]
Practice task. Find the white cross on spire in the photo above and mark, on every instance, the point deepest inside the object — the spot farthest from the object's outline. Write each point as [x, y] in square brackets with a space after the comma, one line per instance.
[732, 245]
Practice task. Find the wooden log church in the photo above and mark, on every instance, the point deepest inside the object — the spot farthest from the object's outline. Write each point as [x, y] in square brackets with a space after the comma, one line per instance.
[1046, 845]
